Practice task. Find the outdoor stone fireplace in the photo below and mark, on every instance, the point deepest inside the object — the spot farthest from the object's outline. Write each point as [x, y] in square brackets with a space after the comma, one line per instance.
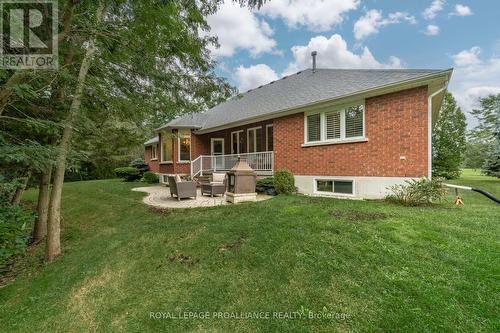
[241, 183]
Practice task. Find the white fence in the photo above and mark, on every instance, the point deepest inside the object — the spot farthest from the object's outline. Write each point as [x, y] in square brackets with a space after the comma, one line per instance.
[262, 161]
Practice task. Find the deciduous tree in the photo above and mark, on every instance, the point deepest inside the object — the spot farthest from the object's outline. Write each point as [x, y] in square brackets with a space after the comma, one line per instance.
[142, 64]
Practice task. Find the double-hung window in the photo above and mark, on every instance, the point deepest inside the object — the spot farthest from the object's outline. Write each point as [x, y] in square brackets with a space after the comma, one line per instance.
[336, 125]
[154, 155]
[269, 138]
[237, 142]
[167, 151]
[314, 127]
[254, 139]
[354, 123]
[184, 145]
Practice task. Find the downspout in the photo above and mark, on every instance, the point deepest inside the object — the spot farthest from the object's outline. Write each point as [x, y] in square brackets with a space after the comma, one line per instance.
[429, 130]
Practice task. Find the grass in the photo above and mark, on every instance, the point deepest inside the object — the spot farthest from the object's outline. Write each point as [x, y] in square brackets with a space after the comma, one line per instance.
[385, 267]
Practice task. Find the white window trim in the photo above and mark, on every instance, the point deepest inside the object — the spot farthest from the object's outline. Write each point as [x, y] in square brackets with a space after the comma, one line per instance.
[232, 143]
[163, 135]
[315, 186]
[322, 125]
[155, 149]
[333, 142]
[212, 140]
[267, 137]
[179, 148]
[254, 138]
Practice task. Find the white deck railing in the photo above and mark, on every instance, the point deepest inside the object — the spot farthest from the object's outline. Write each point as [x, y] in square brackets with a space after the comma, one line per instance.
[261, 161]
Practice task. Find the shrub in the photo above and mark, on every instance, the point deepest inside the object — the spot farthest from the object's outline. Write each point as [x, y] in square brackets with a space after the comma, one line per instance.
[284, 182]
[266, 185]
[150, 177]
[14, 235]
[417, 192]
[128, 173]
[140, 165]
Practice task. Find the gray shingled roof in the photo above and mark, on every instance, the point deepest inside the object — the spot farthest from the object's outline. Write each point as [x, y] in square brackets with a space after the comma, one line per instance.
[152, 140]
[296, 90]
[193, 120]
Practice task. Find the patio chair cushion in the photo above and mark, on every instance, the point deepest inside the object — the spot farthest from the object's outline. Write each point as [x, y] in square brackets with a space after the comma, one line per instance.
[178, 179]
[218, 178]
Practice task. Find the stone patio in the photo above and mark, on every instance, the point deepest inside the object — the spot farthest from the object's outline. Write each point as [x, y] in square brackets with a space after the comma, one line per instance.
[159, 196]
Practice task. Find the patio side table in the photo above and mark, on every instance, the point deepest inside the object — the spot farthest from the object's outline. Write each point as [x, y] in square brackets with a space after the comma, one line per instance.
[213, 189]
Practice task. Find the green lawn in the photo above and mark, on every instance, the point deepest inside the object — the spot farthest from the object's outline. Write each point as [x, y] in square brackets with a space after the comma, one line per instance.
[387, 268]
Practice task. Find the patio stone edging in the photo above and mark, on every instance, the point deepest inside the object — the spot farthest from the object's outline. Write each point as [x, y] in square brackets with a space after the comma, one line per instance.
[159, 196]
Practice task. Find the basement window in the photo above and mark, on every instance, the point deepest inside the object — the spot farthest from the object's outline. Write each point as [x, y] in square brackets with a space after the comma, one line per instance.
[334, 186]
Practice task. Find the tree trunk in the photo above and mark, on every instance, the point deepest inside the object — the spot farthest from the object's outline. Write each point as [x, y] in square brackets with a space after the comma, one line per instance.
[66, 19]
[54, 217]
[42, 209]
[16, 199]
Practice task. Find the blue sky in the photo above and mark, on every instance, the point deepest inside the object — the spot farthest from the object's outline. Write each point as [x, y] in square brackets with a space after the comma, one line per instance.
[259, 46]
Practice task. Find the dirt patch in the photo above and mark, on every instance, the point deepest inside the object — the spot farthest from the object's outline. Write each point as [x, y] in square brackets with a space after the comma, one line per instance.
[161, 211]
[18, 264]
[358, 215]
[236, 243]
[182, 258]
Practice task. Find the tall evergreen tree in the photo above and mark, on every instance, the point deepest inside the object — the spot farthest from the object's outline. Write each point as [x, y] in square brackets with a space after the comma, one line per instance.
[488, 116]
[448, 140]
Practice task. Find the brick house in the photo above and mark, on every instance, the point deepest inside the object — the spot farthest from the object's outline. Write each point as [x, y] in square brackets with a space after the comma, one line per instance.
[341, 132]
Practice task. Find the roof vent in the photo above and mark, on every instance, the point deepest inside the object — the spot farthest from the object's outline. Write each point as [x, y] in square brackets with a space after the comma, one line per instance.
[313, 55]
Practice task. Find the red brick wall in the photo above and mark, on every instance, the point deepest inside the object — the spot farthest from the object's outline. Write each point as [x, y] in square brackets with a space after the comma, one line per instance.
[203, 140]
[174, 167]
[396, 125]
[153, 164]
[200, 145]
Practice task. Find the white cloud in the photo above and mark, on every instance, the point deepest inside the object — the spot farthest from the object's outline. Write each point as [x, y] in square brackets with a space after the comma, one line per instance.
[432, 30]
[373, 20]
[334, 53]
[316, 15]
[431, 11]
[254, 76]
[474, 78]
[467, 57]
[238, 28]
[461, 10]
